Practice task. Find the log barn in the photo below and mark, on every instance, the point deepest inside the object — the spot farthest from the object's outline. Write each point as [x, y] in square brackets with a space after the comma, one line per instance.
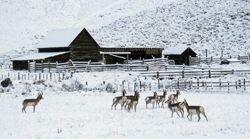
[79, 45]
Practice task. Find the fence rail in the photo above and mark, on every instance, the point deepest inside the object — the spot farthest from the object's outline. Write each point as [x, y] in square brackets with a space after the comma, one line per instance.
[142, 85]
[193, 73]
[198, 60]
[79, 66]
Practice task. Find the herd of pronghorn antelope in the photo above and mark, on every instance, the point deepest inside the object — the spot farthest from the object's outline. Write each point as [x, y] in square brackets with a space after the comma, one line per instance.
[131, 102]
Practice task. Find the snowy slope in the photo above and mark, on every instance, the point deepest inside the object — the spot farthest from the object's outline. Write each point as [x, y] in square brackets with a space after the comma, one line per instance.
[202, 24]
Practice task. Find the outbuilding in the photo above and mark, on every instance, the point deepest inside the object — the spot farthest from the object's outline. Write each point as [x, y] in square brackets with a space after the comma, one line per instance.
[179, 54]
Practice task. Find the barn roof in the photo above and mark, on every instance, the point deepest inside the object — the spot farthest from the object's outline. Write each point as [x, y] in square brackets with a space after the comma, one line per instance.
[38, 56]
[177, 50]
[59, 38]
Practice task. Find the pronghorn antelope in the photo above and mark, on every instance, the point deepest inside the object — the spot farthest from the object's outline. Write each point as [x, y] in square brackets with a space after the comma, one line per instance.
[174, 97]
[161, 99]
[133, 101]
[119, 100]
[175, 107]
[151, 99]
[130, 97]
[31, 102]
[194, 110]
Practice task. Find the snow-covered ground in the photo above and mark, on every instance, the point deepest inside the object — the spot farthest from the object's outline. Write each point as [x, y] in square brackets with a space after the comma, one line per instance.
[70, 111]
[89, 115]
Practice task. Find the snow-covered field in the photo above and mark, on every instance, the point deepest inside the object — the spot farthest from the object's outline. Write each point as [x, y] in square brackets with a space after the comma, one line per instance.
[89, 115]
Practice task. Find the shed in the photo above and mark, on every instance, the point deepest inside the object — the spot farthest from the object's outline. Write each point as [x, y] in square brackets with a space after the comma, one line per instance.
[180, 54]
[21, 63]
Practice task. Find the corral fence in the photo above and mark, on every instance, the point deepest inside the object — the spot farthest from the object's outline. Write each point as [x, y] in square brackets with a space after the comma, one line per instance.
[206, 73]
[209, 60]
[132, 65]
[36, 76]
[197, 84]
[83, 66]
[142, 84]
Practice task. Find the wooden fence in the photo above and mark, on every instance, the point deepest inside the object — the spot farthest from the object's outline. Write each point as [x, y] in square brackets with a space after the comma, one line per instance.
[192, 73]
[142, 84]
[81, 66]
[36, 76]
[198, 60]
[186, 85]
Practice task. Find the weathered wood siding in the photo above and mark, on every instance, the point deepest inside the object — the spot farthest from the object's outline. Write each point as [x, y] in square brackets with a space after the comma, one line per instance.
[20, 65]
[59, 58]
[53, 49]
[84, 48]
[136, 53]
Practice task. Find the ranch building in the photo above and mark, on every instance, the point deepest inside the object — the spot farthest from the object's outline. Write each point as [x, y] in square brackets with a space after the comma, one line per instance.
[79, 45]
[179, 54]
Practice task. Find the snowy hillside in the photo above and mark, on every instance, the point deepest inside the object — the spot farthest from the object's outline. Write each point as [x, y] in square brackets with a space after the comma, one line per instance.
[202, 24]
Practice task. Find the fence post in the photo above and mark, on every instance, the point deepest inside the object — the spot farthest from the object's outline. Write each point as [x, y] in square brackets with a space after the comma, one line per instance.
[236, 86]
[49, 65]
[134, 86]
[228, 86]
[50, 74]
[140, 84]
[18, 76]
[42, 65]
[244, 84]
[220, 83]
[123, 84]
[178, 84]
[198, 84]
[34, 66]
[56, 66]
[232, 71]
[190, 84]
[144, 86]
[59, 78]
[29, 66]
[209, 73]
[182, 73]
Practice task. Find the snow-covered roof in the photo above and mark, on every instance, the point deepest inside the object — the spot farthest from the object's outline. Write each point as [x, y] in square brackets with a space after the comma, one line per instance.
[59, 38]
[177, 50]
[233, 60]
[38, 56]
